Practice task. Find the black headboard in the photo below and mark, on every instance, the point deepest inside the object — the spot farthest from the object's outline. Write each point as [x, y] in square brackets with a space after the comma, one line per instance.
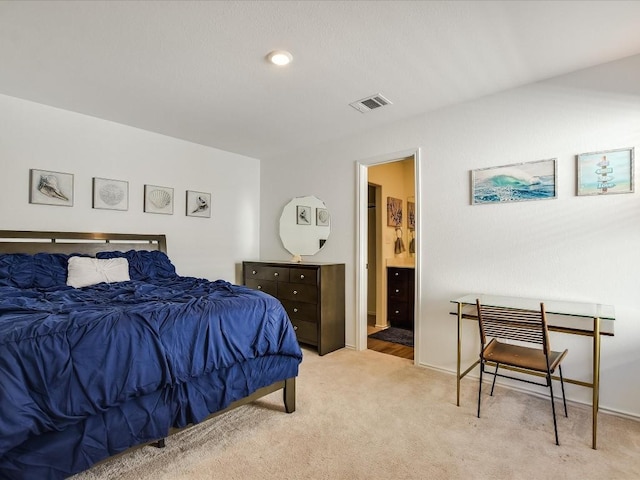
[90, 243]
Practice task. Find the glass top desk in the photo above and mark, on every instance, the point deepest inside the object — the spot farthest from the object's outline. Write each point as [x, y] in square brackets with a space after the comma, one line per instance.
[576, 318]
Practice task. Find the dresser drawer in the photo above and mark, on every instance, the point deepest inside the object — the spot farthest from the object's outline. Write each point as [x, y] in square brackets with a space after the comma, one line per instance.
[301, 311]
[303, 275]
[399, 284]
[401, 316]
[398, 292]
[400, 275]
[298, 292]
[262, 272]
[266, 286]
[306, 332]
[397, 311]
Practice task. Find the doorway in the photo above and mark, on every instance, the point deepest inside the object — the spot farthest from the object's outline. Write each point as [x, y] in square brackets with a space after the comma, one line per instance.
[392, 176]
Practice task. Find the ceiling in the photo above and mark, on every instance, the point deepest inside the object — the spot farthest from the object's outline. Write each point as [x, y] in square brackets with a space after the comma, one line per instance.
[197, 70]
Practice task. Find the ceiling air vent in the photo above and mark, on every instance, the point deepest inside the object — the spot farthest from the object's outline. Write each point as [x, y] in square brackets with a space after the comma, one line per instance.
[370, 103]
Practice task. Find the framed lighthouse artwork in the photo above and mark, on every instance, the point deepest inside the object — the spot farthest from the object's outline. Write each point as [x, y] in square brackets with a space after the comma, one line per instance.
[606, 172]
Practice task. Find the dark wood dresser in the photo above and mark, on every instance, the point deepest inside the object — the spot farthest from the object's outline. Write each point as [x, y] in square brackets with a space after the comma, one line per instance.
[400, 297]
[311, 293]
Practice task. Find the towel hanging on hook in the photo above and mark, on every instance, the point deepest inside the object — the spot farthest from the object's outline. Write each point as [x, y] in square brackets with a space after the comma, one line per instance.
[399, 244]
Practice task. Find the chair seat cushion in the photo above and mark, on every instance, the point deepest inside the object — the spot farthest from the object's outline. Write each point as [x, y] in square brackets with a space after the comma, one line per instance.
[520, 356]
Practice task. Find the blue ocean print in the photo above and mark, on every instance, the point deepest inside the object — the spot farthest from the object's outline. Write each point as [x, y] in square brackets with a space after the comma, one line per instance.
[513, 184]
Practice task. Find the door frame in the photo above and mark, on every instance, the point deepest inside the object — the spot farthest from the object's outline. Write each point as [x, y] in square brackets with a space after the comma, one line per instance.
[362, 167]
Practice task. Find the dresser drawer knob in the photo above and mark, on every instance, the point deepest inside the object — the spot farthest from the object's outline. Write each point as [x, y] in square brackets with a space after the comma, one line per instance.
[295, 327]
[295, 310]
[276, 274]
[295, 292]
[397, 312]
[301, 276]
[253, 272]
[397, 290]
[259, 287]
[396, 274]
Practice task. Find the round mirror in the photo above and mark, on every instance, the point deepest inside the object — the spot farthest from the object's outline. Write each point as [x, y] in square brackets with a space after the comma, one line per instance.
[304, 225]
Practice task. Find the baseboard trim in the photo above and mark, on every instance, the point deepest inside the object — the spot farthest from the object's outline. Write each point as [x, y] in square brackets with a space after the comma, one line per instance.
[605, 410]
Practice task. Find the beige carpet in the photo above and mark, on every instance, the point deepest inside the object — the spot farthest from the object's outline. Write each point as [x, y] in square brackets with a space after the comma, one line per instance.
[367, 415]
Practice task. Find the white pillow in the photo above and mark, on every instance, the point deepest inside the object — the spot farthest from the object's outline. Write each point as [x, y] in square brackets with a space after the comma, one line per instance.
[85, 271]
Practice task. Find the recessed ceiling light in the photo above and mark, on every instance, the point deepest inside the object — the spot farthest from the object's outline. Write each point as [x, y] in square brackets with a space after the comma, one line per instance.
[280, 57]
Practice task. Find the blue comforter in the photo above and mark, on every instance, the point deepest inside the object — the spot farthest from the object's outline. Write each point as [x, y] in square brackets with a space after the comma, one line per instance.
[78, 364]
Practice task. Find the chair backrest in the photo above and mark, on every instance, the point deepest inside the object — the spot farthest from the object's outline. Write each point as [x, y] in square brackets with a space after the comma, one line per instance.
[513, 324]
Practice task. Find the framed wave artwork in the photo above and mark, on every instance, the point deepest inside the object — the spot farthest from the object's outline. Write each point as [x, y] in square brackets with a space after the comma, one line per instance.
[517, 182]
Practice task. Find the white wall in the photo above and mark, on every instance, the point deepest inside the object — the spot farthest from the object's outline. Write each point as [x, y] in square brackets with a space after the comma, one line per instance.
[42, 137]
[576, 248]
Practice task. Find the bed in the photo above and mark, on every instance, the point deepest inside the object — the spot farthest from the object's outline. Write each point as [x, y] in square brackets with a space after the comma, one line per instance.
[129, 353]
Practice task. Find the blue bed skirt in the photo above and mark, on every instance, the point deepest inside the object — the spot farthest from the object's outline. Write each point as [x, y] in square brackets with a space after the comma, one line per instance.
[57, 455]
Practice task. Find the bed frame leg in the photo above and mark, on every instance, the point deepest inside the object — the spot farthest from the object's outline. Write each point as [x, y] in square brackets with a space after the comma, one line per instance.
[159, 444]
[289, 395]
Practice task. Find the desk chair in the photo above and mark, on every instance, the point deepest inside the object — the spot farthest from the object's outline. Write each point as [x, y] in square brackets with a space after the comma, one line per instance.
[526, 327]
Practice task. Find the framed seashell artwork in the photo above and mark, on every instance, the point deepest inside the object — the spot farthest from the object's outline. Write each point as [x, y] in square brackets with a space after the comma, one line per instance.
[110, 194]
[158, 199]
[50, 188]
[303, 215]
[198, 204]
[322, 217]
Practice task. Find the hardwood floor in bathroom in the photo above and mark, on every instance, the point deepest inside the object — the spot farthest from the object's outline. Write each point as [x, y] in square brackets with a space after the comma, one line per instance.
[387, 347]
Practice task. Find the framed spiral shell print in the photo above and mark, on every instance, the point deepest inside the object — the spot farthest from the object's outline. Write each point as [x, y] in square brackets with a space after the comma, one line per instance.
[50, 188]
[158, 199]
[198, 204]
[110, 194]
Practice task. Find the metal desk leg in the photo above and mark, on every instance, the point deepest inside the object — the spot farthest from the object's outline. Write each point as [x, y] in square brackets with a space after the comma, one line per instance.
[596, 380]
[459, 354]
